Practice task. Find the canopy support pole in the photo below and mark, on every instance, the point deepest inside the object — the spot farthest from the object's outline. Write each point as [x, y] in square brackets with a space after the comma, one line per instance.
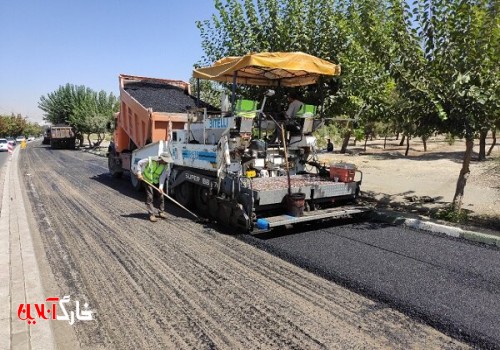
[233, 95]
[198, 92]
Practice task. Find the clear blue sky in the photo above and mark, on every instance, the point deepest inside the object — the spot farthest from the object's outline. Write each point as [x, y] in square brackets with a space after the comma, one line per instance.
[45, 44]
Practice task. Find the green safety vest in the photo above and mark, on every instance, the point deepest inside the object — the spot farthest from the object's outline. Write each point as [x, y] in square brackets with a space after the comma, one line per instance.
[153, 171]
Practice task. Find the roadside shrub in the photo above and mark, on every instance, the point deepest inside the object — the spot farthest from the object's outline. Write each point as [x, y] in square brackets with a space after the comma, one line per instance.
[452, 215]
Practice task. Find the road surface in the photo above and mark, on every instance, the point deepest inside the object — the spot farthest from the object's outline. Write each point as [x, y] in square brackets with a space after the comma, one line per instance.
[4, 156]
[176, 284]
[452, 284]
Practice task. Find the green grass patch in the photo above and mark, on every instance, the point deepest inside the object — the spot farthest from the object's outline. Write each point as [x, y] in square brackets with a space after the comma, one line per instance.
[452, 215]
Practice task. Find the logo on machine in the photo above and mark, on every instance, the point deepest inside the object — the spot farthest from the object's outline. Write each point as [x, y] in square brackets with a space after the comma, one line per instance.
[218, 123]
[199, 155]
[198, 179]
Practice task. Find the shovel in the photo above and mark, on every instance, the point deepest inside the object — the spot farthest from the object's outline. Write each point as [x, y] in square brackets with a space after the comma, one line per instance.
[198, 219]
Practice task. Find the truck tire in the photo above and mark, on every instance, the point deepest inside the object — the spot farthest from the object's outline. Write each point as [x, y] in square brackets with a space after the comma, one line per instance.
[114, 166]
[114, 169]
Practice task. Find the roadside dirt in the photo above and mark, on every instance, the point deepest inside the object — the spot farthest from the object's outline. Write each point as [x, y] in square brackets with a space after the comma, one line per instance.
[424, 182]
[176, 284]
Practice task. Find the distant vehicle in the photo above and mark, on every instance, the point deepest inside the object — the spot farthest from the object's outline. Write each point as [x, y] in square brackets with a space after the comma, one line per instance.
[31, 138]
[4, 145]
[46, 137]
[62, 136]
[11, 140]
[20, 139]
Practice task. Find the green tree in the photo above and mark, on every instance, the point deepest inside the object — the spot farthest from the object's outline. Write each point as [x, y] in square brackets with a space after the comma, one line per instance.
[324, 28]
[443, 56]
[58, 105]
[7, 126]
[17, 125]
[210, 91]
[87, 111]
[13, 125]
[93, 112]
[32, 129]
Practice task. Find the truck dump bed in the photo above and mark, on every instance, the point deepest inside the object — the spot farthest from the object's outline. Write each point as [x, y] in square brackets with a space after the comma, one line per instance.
[62, 136]
[62, 132]
[171, 97]
[149, 107]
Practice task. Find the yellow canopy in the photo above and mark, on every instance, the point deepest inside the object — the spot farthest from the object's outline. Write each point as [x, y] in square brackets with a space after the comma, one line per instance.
[269, 69]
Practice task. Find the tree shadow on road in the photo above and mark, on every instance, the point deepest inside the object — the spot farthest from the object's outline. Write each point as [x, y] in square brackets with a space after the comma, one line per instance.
[405, 202]
[121, 185]
[425, 207]
[456, 157]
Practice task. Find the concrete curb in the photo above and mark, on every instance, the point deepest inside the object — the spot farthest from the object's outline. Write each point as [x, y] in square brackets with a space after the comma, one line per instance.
[19, 269]
[395, 218]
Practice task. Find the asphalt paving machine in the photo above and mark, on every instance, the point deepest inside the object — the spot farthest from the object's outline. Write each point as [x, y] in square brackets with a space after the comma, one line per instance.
[248, 170]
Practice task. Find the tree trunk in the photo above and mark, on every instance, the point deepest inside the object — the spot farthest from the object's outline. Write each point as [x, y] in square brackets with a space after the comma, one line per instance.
[493, 144]
[88, 139]
[482, 144]
[397, 136]
[424, 141]
[345, 143]
[385, 141]
[402, 140]
[407, 145]
[99, 140]
[464, 175]
[366, 140]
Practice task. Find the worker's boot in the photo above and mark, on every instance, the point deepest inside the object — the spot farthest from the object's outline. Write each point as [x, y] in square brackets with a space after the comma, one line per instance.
[152, 218]
[162, 215]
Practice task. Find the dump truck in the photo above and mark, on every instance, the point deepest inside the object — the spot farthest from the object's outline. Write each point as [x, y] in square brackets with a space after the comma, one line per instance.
[149, 109]
[62, 136]
[245, 168]
[46, 137]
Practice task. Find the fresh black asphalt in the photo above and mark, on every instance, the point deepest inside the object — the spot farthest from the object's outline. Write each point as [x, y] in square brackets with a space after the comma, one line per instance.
[452, 284]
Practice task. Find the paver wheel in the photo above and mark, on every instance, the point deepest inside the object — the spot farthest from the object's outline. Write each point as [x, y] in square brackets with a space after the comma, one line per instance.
[184, 193]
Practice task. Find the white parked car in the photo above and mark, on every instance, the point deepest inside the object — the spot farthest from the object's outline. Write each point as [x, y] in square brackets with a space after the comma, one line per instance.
[4, 145]
[20, 139]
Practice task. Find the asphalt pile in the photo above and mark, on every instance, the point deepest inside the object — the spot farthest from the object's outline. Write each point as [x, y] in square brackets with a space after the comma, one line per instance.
[163, 97]
[281, 182]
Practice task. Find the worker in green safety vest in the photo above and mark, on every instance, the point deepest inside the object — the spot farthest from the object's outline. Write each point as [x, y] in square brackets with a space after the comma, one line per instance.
[153, 171]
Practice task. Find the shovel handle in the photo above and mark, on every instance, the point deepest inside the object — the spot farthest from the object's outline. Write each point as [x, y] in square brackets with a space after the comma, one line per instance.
[170, 198]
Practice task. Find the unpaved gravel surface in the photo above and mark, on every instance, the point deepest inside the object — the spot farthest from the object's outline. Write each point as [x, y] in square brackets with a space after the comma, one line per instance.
[391, 178]
[176, 284]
